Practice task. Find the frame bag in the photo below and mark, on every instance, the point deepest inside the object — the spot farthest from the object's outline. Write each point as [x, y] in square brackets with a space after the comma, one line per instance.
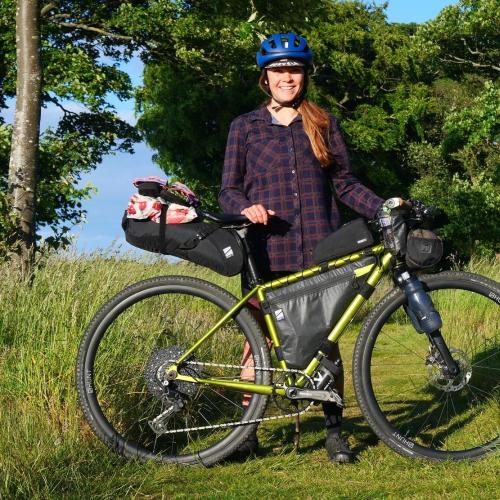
[349, 238]
[205, 244]
[305, 312]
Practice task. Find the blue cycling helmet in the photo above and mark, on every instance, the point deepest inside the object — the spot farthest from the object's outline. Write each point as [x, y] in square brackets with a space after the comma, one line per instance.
[284, 49]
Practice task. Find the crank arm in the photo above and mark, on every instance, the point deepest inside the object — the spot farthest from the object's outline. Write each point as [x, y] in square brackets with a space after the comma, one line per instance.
[314, 395]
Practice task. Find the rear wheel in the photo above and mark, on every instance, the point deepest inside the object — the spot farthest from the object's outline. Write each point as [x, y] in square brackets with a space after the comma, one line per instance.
[122, 381]
[403, 389]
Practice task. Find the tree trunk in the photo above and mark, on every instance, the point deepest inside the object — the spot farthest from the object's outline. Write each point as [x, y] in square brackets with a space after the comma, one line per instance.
[23, 164]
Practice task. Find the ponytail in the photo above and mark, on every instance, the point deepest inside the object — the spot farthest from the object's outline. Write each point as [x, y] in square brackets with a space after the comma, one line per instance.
[316, 124]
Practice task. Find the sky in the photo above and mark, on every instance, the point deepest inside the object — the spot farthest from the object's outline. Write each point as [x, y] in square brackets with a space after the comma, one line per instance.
[113, 178]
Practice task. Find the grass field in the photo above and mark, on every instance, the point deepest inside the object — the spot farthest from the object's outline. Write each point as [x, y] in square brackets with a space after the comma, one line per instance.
[48, 451]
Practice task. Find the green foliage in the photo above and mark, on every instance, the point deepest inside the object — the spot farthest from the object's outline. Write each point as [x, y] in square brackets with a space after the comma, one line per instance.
[475, 125]
[462, 39]
[416, 118]
[460, 171]
[418, 104]
[81, 46]
[473, 207]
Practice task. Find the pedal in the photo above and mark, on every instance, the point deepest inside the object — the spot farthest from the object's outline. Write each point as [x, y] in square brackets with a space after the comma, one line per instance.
[314, 395]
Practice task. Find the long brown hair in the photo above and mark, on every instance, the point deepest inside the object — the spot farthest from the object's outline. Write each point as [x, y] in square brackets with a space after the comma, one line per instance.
[316, 123]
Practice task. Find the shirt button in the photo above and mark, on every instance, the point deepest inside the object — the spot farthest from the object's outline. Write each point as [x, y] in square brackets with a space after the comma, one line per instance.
[293, 171]
[290, 150]
[296, 194]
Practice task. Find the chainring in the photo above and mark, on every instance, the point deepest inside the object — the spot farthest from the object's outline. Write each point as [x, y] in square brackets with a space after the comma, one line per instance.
[282, 402]
[155, 374]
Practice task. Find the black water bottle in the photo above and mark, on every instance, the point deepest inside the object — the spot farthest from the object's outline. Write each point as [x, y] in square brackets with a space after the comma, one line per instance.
[420, 308]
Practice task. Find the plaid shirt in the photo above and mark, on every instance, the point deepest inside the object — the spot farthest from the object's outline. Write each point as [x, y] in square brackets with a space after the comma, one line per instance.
[275, 166]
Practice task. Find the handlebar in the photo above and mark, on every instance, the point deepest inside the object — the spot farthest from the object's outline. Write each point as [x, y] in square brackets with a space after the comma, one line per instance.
[414, 212]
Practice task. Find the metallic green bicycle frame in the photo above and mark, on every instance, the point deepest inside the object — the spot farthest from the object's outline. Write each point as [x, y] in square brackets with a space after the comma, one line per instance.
[376, 273]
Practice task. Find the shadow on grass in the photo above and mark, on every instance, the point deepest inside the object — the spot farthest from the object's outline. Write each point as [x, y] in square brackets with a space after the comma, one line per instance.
[351, 426]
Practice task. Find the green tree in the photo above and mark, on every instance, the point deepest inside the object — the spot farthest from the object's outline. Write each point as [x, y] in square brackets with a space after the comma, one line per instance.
[78, 46]
[458, 159]
[416, 103]
[210, 76]
[203, 75]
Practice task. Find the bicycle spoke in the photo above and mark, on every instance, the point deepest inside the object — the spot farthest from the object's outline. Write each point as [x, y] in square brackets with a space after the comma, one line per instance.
[446, 416]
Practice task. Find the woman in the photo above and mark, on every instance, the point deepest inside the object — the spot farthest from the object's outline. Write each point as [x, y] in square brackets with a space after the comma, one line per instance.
[281, 161]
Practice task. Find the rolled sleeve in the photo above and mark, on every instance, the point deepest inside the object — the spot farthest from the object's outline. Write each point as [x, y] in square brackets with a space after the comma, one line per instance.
[232, 197]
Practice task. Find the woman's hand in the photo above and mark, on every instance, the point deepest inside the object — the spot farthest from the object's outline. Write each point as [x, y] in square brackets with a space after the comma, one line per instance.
[257, 214]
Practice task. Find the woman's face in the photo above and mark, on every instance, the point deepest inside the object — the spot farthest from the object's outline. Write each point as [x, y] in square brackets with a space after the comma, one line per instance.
[285, 84]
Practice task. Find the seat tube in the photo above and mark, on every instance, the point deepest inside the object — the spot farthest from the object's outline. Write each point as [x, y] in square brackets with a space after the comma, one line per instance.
[251, 267]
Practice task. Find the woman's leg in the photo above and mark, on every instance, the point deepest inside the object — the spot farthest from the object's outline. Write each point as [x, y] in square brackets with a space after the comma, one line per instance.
[333, 412]
[247, 361]
[337, 448]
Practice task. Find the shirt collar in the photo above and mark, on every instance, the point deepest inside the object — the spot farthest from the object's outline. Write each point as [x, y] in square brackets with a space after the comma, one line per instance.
[263, 114]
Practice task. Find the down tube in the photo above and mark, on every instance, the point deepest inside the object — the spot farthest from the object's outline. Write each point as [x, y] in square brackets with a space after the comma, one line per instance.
[349, 314]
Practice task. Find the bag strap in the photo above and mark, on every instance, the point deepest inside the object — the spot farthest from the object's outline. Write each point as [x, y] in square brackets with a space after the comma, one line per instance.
[190, 243]
[199, 236]
[163, 224]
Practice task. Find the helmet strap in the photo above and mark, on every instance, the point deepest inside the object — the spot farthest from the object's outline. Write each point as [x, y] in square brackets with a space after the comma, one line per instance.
[294, 104]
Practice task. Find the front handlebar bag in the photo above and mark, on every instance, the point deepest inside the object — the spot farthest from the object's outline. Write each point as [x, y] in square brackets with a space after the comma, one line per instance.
[424, 249]
[306, 311]
[202, 243]
[348, 238]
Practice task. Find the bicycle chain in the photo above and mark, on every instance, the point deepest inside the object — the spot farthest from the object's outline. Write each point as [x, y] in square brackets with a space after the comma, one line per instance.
[168, 411]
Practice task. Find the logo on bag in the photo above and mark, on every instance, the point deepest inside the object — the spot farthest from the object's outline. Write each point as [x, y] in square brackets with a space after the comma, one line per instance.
[362, 241]
[279, 314]
[426, 247]
[228, 252]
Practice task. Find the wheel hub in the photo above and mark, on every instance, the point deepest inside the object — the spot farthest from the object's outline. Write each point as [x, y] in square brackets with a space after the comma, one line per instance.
[441, 380]
[156, 376]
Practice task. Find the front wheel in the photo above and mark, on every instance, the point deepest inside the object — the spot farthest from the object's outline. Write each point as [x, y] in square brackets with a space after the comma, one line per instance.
[403, 390]
[122, 378]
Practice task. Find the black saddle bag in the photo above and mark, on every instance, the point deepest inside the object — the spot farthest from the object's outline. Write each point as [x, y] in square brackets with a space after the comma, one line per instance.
[348, 238]
[202, 243]
[305, 312]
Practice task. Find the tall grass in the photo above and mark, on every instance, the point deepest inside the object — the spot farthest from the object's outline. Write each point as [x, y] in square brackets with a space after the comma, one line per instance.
[47, 450]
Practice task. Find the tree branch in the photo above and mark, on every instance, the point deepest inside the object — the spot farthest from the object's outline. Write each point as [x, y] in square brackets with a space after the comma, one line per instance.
[459, 60]
[47, 8]
[93, 29]
[473, 52]
[59, 16]
[53, 100]
[344, 99]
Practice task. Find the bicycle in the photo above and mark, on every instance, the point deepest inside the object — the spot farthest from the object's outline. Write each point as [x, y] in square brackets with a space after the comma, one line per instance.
[155, 382]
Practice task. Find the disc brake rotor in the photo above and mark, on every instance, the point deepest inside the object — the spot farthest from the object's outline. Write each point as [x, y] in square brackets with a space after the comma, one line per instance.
[438, 379]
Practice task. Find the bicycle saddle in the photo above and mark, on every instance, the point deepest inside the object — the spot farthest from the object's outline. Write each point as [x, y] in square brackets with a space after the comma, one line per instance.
[226, 218]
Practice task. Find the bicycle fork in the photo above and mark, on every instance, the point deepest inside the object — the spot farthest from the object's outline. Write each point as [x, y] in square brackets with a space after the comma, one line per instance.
[425, 318]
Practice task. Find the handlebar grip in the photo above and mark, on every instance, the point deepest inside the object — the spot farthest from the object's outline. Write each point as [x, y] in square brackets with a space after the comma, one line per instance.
[396, 203]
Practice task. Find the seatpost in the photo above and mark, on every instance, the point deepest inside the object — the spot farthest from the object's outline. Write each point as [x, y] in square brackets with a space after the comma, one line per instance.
[251, 268]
